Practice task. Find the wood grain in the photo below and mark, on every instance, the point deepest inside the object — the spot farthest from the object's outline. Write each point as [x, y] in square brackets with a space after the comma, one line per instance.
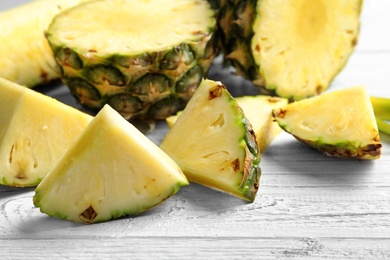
[309, 206]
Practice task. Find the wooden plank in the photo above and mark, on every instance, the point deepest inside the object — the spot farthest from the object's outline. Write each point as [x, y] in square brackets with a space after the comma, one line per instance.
[309, 206]
[196, 248]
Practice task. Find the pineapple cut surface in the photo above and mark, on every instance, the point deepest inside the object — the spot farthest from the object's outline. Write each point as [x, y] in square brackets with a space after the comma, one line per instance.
[25, 55]
[112, 170]
[35, 131]
[258, 110]
[340, 123]
[214, 144]
[290, 48]
[144, 58]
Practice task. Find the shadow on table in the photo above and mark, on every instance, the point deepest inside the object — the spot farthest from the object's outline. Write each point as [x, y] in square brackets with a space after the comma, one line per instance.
[7, 191]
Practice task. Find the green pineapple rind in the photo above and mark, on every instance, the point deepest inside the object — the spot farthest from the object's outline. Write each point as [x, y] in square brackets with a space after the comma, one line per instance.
[346, 149]
[366, 148]
[247, 186]
[175, 73]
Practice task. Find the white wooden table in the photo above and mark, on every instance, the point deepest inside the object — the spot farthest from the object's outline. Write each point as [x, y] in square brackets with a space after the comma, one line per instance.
[309, 206]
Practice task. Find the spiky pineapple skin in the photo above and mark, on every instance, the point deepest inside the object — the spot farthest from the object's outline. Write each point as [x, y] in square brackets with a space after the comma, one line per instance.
[25, 56]
[148, 85]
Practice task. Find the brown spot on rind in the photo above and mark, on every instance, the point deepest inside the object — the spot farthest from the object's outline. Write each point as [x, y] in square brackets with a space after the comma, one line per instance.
[236, 165]
[354, 42]
[21, 176]
[216, 91]
[319, 89]
[248, 164]
[11, 153]
[279, 113]
[88, 215]
[44, 76]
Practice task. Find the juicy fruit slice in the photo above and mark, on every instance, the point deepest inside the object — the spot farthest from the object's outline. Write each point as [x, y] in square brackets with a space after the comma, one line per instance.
[340, 123]
[258, 110]
[35, 131]
[25, 55]
[290, 48]
[144, 58]
[213, 143]
[112, 170]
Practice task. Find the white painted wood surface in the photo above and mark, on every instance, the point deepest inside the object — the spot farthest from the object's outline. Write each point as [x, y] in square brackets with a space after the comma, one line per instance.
[309, 206]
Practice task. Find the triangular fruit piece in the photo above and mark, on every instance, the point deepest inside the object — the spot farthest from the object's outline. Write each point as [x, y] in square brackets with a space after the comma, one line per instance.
[35, 131]
[339, 123]
[258, 110]
[214, 144]
[111, 170]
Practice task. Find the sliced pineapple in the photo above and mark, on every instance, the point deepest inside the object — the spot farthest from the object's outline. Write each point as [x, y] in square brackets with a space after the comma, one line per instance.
[25, 55]
[112, 170]
[35, 131]
[340, 123]
[214, 144]
[292, 48]
[145, 58]
[258, 110]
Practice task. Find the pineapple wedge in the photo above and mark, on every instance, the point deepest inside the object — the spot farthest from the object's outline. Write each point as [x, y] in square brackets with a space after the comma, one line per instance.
[144, 58]
[35, 131]
[25, 55]
[340, 123]
[214, 144]
[112, 170]
[258, 110]
[291, 48]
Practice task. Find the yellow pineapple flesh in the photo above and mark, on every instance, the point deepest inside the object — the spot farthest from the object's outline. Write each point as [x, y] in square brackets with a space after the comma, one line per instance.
[258, 110]
[112, 170]
[35, 131]
[25, 55]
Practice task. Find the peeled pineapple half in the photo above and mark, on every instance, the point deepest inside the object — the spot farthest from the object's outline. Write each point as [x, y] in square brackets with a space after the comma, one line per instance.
[258, 110]
[112, 170]
[214, 144]
[35, 131]
[144, 58]
[291, 48]
[340, 123]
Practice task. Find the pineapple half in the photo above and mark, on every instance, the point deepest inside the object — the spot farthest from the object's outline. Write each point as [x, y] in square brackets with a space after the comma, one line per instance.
[112, 170]
[35, 131]
[25, 55]
[144, 58]
[214, 144]
[258, 110]
[340, 123]
[291, 48]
